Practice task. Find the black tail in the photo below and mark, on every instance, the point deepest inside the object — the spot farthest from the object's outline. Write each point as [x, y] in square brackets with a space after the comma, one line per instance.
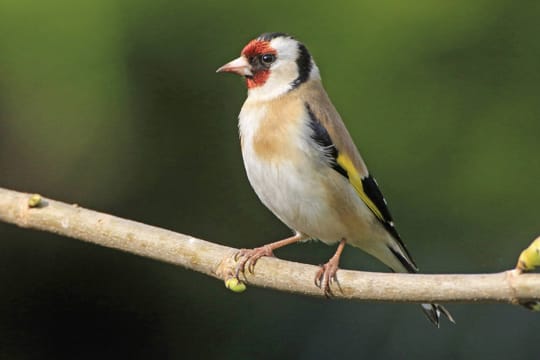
[434, 311]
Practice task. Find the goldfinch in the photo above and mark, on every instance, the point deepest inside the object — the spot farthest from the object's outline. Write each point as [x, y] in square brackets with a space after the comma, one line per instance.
[303, 164]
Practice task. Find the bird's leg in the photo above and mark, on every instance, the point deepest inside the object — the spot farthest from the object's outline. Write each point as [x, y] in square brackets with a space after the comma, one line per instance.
[327, 273]
[249, 257]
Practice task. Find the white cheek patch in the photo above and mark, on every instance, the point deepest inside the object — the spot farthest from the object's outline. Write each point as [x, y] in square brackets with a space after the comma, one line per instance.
[272, 88]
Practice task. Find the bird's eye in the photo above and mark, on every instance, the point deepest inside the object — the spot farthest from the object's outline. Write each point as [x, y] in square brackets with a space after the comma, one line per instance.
[267, 59]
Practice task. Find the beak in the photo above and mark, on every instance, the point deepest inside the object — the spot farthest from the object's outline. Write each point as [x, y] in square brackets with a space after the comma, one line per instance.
[238, 66]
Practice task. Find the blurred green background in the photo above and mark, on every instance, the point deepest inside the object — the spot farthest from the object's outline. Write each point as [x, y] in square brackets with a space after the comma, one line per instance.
[114, 105]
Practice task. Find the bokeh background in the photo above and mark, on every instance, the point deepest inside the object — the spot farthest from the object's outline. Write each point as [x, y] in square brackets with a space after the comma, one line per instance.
[114, 105]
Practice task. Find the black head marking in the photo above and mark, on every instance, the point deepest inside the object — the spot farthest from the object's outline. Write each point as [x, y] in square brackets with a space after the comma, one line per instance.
[269, 36]
[304, 64]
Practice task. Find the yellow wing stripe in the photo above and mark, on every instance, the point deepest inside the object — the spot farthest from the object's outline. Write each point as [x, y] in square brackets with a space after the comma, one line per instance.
[356, 181]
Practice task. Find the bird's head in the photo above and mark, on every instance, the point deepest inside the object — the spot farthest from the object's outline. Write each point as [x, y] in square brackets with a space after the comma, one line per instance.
[273, 64]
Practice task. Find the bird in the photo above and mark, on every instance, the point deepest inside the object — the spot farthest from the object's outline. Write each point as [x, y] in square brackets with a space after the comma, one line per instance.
[303, 165]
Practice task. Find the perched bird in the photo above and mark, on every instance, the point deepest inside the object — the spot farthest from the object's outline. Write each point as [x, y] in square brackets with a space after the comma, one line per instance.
[302, 163]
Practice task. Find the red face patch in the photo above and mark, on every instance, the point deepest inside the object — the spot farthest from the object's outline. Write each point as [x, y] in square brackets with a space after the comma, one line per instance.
[258, 79]
[251, 51]
[257, 47]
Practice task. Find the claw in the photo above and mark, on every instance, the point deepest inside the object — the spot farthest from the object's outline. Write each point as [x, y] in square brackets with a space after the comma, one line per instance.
[327, 273]
[247, 259]
[251, 264]
[326, 276]
[317, 279]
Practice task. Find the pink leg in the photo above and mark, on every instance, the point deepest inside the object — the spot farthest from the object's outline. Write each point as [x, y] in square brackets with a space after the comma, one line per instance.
[249, 257]
[327, 273]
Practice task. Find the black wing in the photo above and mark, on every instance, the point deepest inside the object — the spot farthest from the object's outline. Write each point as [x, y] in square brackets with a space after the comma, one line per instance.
[367, 189]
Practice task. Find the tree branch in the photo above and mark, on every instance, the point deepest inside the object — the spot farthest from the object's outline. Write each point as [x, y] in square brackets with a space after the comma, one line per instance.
[217, 260]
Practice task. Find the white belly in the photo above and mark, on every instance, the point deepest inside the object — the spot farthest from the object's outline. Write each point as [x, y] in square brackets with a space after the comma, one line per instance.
[303, 192]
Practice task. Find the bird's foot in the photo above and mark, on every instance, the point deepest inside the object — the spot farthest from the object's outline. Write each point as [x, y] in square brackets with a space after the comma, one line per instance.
[247, 258]
[326, 276]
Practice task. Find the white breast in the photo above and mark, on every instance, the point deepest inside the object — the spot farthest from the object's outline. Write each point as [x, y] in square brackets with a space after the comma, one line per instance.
[295, 184]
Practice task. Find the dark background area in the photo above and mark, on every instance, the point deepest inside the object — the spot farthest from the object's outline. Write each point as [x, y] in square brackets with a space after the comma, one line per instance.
[114, 105]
